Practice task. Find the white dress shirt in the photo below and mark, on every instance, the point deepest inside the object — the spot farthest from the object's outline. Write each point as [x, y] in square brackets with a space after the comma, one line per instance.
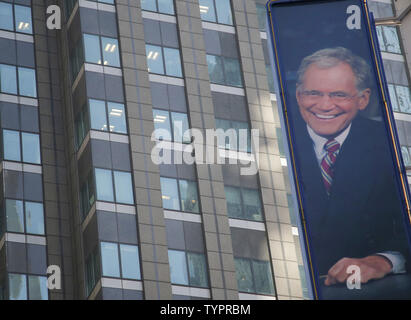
[396, 258]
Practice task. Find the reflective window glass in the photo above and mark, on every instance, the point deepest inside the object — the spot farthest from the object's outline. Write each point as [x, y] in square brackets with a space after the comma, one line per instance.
[391, 41]
[123, 187]
[162, 125]
[252, 204]
[109, 259]
[234, 203]
[263, 279]
[154, 59]
[393, 97]
[244, 275]
[27, 82]
[110, 52]
[166, 6]
[17, 287]
[207, 10]
[178, 267]
[215, 69]
[92, 49]
[34, 217]
[172, 61]
[37, 288]
[189, 196]
[6, 16]
[224, 14]
[404, 98]
[14, 216]
[130, 264]
[104, 185]
[180, 127]
[150, 5]
[117, 117]
[31, 147]
[232, 72]
[11, 145]
[98, 117]
[197, 269]
[8, 79]
[23, 19]
[243, 135]
[169, 191]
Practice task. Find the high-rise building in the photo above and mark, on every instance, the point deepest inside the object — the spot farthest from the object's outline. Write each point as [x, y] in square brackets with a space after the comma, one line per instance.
[81, 111]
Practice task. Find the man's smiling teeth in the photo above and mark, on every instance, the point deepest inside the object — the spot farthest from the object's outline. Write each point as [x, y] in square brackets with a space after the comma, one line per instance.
[322, 116]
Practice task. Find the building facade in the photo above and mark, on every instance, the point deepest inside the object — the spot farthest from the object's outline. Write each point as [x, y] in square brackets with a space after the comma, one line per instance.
[82, 111]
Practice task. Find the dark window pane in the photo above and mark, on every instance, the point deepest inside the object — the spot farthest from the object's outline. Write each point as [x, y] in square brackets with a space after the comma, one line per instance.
[252, 205]
[180, 127]
[197, 270]
[232, 72]
[215, 69]
[244, 275]
[263, 278]
[189, 196]
[234, 207]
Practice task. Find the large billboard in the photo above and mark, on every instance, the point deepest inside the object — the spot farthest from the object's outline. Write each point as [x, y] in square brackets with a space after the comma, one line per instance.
[349, 178]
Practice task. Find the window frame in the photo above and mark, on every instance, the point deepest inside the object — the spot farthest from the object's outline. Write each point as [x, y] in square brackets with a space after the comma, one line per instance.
[113, 185]
[20, 134]
[216, 14]
[171, 122]
[223, 70]
[13, 17]
[101, 50]
[27, 285]
[158, 11]
[177, 180]
[163, 61]
[243, 211]
[17, 77]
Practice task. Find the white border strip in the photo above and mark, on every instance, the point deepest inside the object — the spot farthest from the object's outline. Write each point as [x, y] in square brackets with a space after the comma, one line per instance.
[392, 56]
[245, 224]
[16, 36]
[218, 27]
[273, 97]
[182, 216]
[158, 16]
[166, 80]
[23, 238]
[249, 296]
[97, 6]
[121, 284]
[227, 89]
[23, 167]
[402, 116]
[190, 291]
[263, 35]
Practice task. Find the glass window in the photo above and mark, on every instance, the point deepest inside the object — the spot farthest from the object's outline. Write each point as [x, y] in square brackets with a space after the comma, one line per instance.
[98, 117]
[207, 10]
[110, 52]
[38, 288]
[31, 147]
[169, 191]
[150, 5]
[104, 185]
[232, 72]
[244, 275]
[178, 267]
[224, 15]
[117, 117]
[262, 16]
[154, 59]
[172, 61]
[34, 217]
[270, 78]
[380, 38]
[162, 125]
[215, 69]
[27, 82]
[92, 48]
[81, 124]
[14, 216]
[8, 79]
[11, 145]
[263, 278]
[234, 203]
[166, 6]
[109, 258]
[404, 98]
[92, 270]
[197, 270]
[252, 205]
[227, 138]
[189, 196]
[391, 41]
[130, 264]
[23, 19]
[6, 16]
[243, 135]
[123, 187]
[87, 194]
[180, 127]
[393, 97]
[17, 287]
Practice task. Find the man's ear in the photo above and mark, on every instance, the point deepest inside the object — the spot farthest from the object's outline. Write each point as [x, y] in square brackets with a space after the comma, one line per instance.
[364, 98]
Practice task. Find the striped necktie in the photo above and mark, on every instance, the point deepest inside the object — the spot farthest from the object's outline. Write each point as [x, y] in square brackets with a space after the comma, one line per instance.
[332, 147]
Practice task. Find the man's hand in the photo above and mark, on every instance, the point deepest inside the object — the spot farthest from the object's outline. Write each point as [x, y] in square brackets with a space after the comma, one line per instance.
[372, 267]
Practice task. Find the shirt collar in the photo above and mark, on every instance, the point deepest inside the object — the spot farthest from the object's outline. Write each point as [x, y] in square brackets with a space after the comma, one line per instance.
[319, 141]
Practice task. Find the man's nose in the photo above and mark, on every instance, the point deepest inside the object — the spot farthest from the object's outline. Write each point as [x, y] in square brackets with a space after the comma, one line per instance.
[326, 102]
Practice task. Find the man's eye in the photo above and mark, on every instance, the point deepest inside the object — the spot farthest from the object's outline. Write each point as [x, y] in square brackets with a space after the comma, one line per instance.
[339, 94]
[313, 93]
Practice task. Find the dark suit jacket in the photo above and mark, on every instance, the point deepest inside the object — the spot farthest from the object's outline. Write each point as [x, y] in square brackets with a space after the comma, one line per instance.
[362, 215]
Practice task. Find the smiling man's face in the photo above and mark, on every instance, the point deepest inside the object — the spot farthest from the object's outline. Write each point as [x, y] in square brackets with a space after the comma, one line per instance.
[329, 100]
